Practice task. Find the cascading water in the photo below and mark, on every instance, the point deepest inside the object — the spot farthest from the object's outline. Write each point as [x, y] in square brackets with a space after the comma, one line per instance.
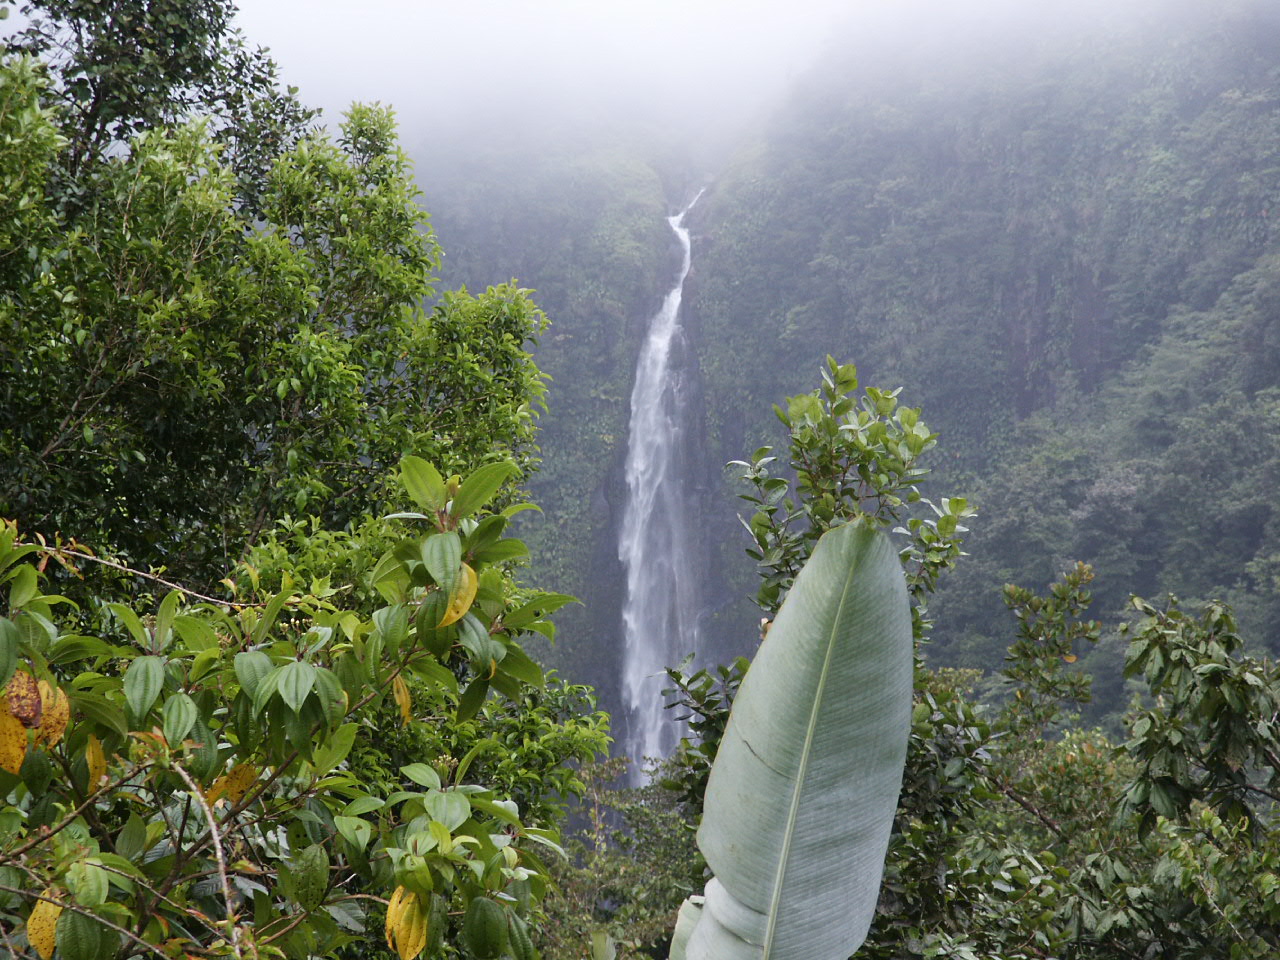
[656, 547]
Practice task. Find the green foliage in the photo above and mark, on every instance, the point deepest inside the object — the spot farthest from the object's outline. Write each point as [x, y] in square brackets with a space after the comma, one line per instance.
[261, 778]
[1201, 741]
[125, 67]
[851, 460]
[184, 379]
[627, 872]
[798, 750]
[1018, 836]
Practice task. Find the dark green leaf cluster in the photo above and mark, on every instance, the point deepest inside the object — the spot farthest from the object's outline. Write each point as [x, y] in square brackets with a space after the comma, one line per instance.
[265, 776]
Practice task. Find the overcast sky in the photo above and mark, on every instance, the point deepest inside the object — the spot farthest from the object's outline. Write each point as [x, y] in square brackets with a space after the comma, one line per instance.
[494, 55]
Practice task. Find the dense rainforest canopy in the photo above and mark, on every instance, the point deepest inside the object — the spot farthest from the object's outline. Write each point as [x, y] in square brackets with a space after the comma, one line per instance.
[275, 674]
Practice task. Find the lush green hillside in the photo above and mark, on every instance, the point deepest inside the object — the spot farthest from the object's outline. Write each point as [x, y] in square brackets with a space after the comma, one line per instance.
[1065, 252]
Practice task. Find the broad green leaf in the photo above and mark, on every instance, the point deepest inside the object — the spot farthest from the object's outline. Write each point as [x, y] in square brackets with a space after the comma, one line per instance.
[393, 626]
[142, 683]
[251, 667]
[333, 750]
[448, 807]
[329, 692]
[296, 680]
[100, 710]
[81, 937]
[131, 622]
[180, 714]
[434, 672]
[537, 608]
[71, 649]
[25, 587]
[486, 650]
[88, 883]
[269, 615]
[518, 664]
[479, 488]
[482, 746]
[355, 831]
[803, 791]
[132, 838]
[164, 619]
[197, 634]
[362, 805]
[472, 698]
[424, 483]
[504, 810]
[442, 556]
[422, 774]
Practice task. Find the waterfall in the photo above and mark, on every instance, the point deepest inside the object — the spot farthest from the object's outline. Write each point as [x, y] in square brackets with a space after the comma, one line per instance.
[658, 538]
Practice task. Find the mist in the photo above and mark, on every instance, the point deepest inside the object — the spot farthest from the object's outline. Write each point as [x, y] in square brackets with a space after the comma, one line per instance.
[498, 64]
[697, 70]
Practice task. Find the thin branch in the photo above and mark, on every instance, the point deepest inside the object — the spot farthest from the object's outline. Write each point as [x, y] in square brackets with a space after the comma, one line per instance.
[71, 817]
[63, 551]
[66, 905]
[1026, 805]
[232, 928]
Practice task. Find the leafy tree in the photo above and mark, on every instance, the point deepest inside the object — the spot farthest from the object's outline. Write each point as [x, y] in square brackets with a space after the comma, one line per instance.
[215, 778]
[125, 67]
[174, 379]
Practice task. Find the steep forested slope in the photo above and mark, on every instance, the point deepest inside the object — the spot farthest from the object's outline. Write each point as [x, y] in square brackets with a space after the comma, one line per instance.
[1065, 252]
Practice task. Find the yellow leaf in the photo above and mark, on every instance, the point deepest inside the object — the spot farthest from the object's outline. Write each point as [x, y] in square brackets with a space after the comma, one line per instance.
[400, 690]
[463, 596]
[406, 924]
[1070, 658]
[216, 790]
[56, 713]
[13, 739]
[394, 906]
[96, 761]
[23, 696]
[42, 926]
[240, 779]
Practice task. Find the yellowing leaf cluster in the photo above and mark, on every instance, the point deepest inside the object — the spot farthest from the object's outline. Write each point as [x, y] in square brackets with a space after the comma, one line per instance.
[463, 597]
[55, 714]
[96, 761]
[233, 783]
[400, 690]
[28, 704]
[406, 924]
[42, 925]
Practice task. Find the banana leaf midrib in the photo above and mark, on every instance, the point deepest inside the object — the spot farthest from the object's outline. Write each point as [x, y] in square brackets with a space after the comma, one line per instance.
[780, 875]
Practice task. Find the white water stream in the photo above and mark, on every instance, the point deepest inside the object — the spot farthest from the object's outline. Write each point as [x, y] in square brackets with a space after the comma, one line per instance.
[660, 611]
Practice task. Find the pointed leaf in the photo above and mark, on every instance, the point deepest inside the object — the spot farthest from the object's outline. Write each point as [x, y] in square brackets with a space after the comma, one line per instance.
[424, 483]
[442, 556]
[251, 667]
[142, 683]
[297, 678]
[479, 488]
[802, 794]
[179, 716]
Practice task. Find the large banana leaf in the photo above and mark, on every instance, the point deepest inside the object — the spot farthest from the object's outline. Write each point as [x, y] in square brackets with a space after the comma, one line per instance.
[803, 791]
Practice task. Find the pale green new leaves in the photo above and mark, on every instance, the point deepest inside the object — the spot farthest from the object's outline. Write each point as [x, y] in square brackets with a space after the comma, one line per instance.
[802, 794]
